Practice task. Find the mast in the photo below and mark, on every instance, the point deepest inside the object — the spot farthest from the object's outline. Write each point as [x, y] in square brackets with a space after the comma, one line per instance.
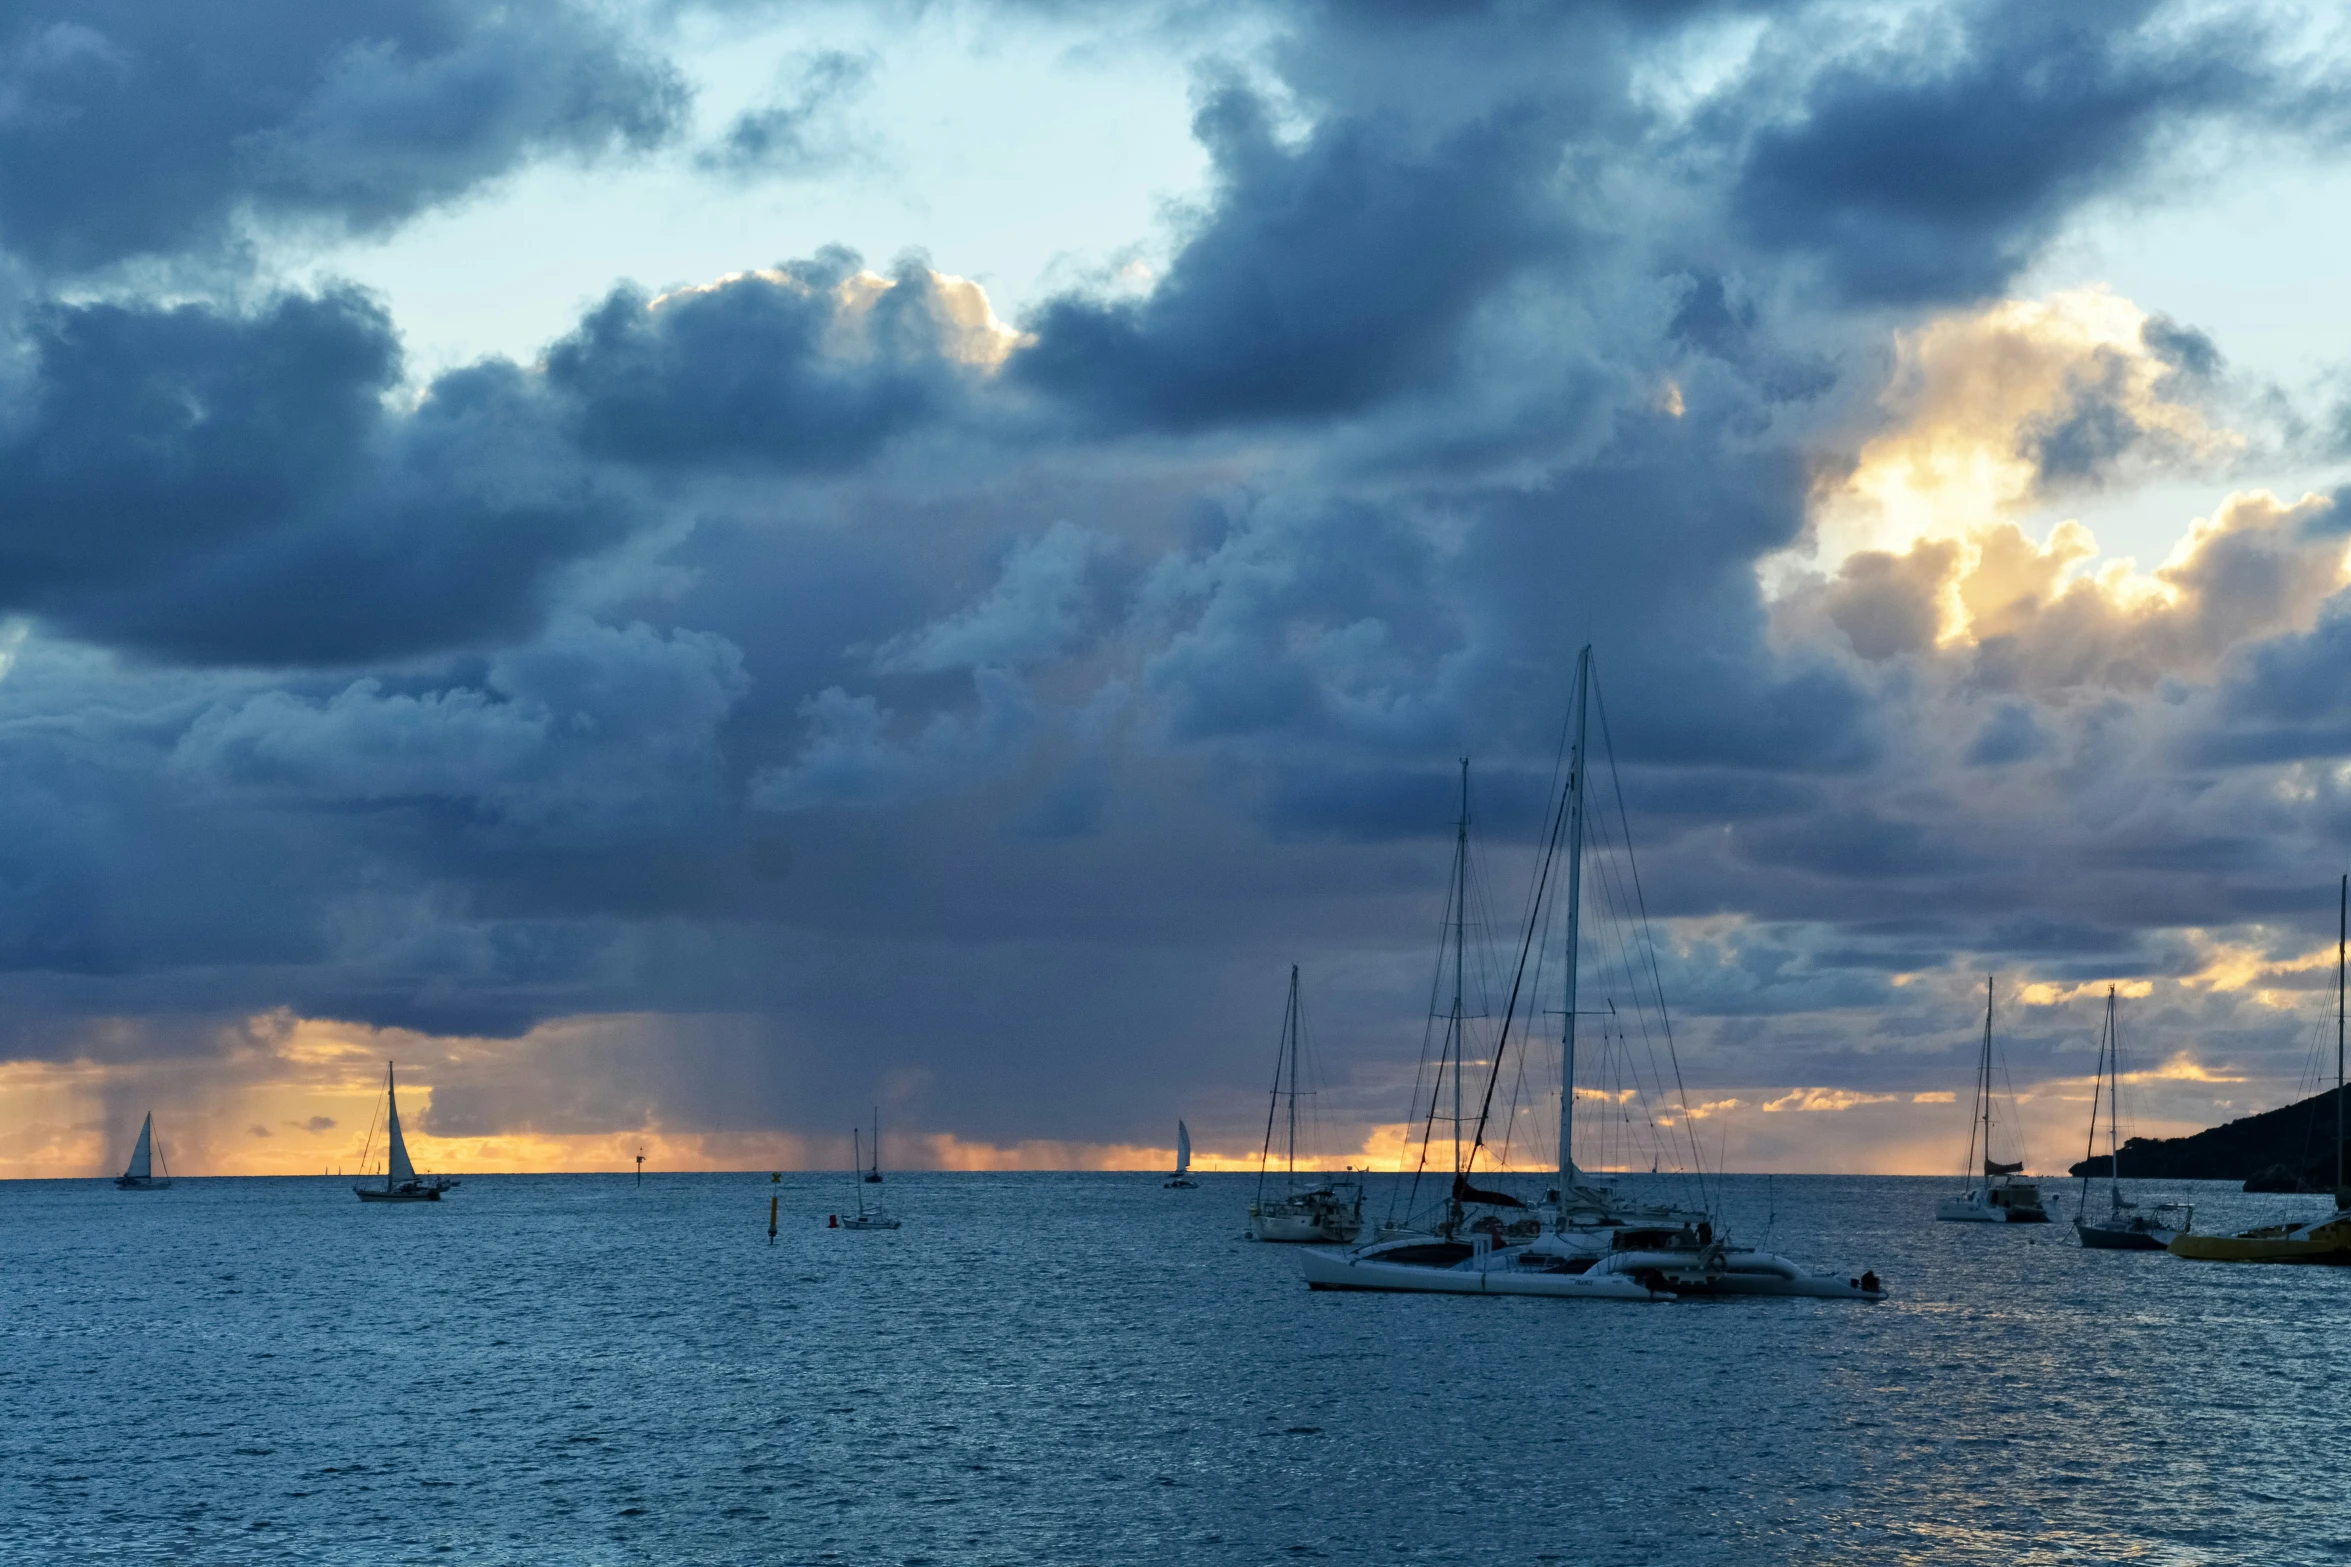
[2342, 931]
[1986, 1100]
[1293, 1032]
[2113, 1106]
[857, 1170]
[1460, 927]
[1575, 889]
[2097, 1087]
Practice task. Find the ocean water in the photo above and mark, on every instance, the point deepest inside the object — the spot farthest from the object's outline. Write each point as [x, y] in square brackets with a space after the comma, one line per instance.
[1090, 1369]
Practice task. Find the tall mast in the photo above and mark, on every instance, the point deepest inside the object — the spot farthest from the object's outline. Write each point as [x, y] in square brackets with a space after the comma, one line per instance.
[1293, 1075]
[2113, 1105]
[1984, 1097]
[2097, 1087]
[1575, 911]
[2342, 931]
[1460, 928]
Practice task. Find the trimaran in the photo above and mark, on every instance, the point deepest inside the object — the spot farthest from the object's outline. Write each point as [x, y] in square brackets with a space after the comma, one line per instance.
[1589, 1244]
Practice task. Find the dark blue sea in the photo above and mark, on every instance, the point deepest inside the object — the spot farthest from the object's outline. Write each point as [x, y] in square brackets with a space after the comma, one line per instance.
[1089, 1369]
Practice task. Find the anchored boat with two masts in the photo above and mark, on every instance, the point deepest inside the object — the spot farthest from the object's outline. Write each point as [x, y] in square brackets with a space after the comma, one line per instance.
[1582, 1240]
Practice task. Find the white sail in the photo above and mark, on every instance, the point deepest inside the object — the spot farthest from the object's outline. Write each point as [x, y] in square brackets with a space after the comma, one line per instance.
[400, 1169]
[143, 1156]
[1183, 1148]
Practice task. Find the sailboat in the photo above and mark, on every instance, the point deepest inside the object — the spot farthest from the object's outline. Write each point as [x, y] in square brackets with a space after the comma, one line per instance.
[139, 1175]
[401, 1182]
[2327, 1240]
[1183, 1170]
[873, 1175]
[1324, 1211]
[1588, 1243]
[873, 1216]
[1997, 1196]
[2126, 1227]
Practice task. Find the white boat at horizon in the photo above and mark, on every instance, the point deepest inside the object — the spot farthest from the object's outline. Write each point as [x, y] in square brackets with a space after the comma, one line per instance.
[1182, 1179]
[139, 1175]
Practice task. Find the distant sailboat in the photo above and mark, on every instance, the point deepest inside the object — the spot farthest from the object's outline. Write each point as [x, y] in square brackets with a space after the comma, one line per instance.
[873, 1175]
[1182, 1176]
[873, 1216]
[401, 1182]
[141, 1176]
[1995, 1196]
[2126, 1226]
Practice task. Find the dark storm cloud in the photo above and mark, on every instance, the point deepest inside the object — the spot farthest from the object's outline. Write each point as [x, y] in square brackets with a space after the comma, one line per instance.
[1325, 278]
[745, 372]
[230, 488]
[134, 128]
[1933, 164]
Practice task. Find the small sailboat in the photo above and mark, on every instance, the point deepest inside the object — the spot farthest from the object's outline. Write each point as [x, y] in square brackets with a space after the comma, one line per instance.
[2126, 1226]
[1320, 1211]
[873, 1174]
[139, 1175]
[869, 1216]
[401, 1182]
[1996, 1196]
[2327, 1240]
[1183, 1170]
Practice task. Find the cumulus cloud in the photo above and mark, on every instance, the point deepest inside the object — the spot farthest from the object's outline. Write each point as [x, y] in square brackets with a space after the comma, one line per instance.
[629, 719]
[139, 129]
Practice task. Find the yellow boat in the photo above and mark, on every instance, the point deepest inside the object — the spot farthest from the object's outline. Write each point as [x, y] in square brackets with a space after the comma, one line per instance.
[2327, 1241]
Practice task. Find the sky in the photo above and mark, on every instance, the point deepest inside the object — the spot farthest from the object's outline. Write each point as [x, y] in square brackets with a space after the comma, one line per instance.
[695, 573]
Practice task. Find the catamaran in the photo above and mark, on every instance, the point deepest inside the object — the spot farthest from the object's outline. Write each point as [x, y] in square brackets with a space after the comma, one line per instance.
[1583, 1241]
[1997, 1197]
[2326, 1240]
[2126, 1226]
[873, 1216]
[1313, 1210]
[139, 1175]
[401, 1182]
[1183, 1170]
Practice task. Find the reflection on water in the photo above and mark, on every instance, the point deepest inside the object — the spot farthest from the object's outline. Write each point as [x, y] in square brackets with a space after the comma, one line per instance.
[1093, 1369]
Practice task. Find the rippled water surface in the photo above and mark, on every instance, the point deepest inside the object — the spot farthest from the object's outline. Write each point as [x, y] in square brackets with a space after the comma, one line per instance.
[1088, 1368]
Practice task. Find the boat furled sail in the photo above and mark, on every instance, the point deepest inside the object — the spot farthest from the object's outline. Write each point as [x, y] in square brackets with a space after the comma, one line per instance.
[401, 1182]
[139, 1175]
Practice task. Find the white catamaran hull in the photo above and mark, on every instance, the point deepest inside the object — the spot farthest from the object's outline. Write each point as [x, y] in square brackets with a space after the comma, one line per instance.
[1338, 1270]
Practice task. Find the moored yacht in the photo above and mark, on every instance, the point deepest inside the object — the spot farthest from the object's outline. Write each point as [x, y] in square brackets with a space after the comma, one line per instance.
[1996, 1196]
[2326, 1240]
[1582, 1241]
[869, 1216]
[2125, 1226]
[1291, 1209]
